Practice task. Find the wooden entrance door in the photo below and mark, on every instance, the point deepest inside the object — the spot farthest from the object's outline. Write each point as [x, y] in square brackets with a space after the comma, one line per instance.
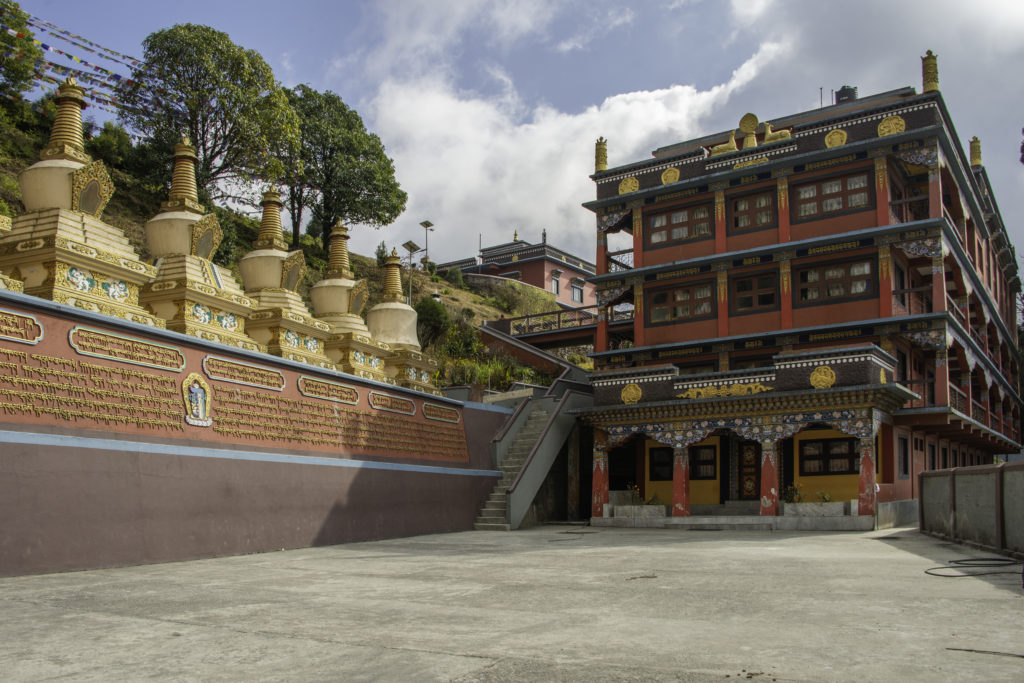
[750, 470]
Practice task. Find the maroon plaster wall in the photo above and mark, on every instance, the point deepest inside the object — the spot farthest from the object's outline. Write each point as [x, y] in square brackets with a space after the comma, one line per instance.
[76, 508]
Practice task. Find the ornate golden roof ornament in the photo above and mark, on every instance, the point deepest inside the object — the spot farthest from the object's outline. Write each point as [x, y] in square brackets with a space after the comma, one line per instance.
[183, 195]
[631, 393]
[823, 377]
[271, 234]
[338, 265]
[66, 141]
[515, 236]
[975, 152]
[930, 72]
[725, 147]
[393, 278]
[600, 155]
[748, 126]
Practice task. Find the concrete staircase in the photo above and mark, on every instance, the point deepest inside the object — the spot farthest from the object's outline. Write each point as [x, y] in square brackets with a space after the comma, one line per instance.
[493, 516]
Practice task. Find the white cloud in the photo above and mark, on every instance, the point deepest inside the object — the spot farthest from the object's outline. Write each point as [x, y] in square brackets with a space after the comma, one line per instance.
[474, 166]
[597, 27]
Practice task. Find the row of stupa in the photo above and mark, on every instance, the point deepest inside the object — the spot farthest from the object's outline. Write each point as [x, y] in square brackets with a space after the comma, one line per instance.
[61, 250]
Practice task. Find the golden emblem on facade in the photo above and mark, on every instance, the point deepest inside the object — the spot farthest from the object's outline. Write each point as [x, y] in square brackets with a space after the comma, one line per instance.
[196, 394]
[891, 125]
[669, 176]
[835, 138]
[628, 185]
[823, 377]
[631, 393]
[881, 377]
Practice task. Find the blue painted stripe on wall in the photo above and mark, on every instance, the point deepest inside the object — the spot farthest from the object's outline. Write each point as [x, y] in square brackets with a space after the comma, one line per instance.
[38, 439]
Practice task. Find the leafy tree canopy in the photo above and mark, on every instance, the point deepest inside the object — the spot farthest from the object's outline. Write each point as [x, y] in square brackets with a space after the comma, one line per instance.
[194, 81]
[18, 56]
[338, 170]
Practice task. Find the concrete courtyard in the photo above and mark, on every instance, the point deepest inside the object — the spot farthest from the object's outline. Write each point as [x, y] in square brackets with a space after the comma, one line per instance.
[551, 603]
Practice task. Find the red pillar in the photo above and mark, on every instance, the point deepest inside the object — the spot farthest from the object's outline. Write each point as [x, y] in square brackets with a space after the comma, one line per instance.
[885, 295]
[934, 192]
[881, 192]
[769, 478]
[723, 303]
[600, 477]
[786, 295]
[601, 335]
[866, 494]
[681, 482]
[720, 230]
[782, 185]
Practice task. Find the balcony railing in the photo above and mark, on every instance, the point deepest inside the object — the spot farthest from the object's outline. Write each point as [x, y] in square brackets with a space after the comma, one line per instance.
[978, 412]
[957, 399]
[553, 320]
[913, 300]
[620, 260]
[923, 388]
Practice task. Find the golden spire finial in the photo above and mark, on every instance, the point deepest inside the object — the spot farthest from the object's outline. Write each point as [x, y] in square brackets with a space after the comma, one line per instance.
[515, 236]
[338, 262]
[975, 152]
[600, 155]
[393, 278]
[66, 141]
[930, 72]
[183, 194]
[271, 234]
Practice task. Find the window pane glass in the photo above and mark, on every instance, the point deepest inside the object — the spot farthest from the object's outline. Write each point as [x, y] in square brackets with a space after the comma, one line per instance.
[744, 285]
[660, 298]
[682, 295]
[702, 228]
[835, 290]
[831, 186]
[658, 222]
[742, 204]
[806, 191]
[834, 204]
[812, 466]
[657, 237]
[679, 216]
[810, 276]
[808, 209]
[857, 199]
[812, 448]
[742, 221]
[679, 233]
[702, 292]
[835, 273]
[744, 302]
[861, 268]
[765, 281]
[808, 294]
[766, 299]
[763, 200]
[682, 312]
[764, 217]
[700, 212]
[702, 308]
[659, 314]
[856, 181]
[858, 286]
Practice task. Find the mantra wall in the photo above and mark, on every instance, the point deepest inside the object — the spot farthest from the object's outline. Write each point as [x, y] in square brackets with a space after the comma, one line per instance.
[121, 444]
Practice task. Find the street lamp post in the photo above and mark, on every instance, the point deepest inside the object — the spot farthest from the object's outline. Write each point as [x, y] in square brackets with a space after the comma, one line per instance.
[412, 248]
[428, 228]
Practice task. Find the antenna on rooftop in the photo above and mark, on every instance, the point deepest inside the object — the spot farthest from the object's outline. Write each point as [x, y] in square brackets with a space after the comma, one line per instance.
[821, 96]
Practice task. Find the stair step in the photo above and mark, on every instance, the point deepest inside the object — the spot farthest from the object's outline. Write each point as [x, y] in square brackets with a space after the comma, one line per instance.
[481, 526]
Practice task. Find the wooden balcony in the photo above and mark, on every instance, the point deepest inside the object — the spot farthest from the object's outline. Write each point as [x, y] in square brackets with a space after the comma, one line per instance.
[619, 260]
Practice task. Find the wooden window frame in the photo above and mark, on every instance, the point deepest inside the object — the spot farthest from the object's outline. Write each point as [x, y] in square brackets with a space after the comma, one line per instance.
[732, 213]
[669, 226]
[795, 202]
[847, 280]
[699, 458]
[756, 292]
[827, 458]
[673, 303]
[576, 292]
[903, 457]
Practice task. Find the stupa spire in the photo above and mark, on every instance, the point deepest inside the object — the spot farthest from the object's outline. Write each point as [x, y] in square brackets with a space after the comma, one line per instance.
[66, 141]
[271, 234]
[183, 194]
[600, 155]
[393, 278]
[930, 72]
[337, 261]
[975, 152]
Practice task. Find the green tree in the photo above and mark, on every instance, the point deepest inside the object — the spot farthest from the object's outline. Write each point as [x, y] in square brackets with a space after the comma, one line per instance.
[432, 320]
[194, 81]
[338, 170]
[112, 145]
[18, 56]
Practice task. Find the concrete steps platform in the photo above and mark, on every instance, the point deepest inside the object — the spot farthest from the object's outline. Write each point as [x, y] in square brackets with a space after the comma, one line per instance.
[483, 526]
[740, 523]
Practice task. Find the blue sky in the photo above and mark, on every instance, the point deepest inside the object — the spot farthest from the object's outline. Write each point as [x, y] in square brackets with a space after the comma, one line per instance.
[490, 109]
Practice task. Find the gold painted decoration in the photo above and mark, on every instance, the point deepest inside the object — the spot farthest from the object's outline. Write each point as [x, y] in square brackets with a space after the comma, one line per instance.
[881, 173]
[630, 184]
[751, 162]
[975, 152]
[91, 189]
[930, 72]
[631, 394]
[292, 270]
[600, 155]
[196, 394]
[823, 377]
[775, 135]
[669, 176]
[206, 236]
[881, 376]
[783, 187]
[835, 138]
[725, 147]
[724, 391]
[891, 125]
